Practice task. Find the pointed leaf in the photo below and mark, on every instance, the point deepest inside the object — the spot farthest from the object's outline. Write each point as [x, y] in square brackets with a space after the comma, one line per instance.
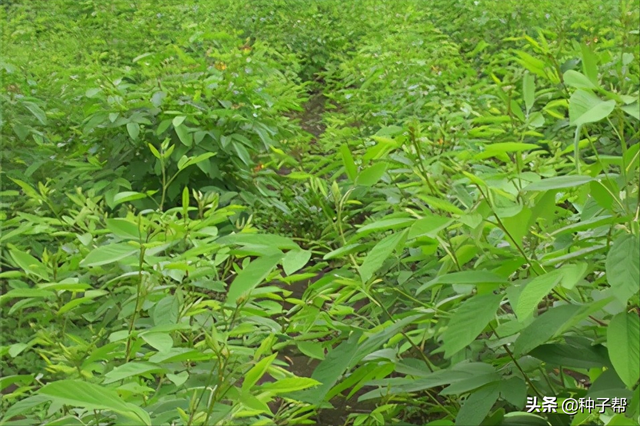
[558, 182]
[589, 63]
[623, 267]
[633, 110]
[183, 134]
[534, 292]
[371, 175]
[162, 342]
[477, 405]
[131, 369]
[295, 260]
[36, 111]
[134, 130]
[349, 165]
[623, 343]
[543, 328]
[528, 91]
[578, 80]
[251, 276]
[329, 371]
[379, 254]
[585, 107]
[92, 397]
[468, 321]
[29, 264]
[108, 254]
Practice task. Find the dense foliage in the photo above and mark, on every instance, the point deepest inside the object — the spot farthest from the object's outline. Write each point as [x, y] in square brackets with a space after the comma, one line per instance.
[288, 212]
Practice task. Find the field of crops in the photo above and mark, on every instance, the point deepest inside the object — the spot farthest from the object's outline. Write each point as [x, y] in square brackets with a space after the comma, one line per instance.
[290, 212]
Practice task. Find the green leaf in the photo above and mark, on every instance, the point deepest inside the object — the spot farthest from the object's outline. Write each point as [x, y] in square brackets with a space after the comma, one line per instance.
[254, 403]
[251, 276]
[534, 292]
[178, 120]
[514, 391]
[578, 80]
[497, 149]
[311, 349]
[386, 225]
[544, 328]
[633, 110]
[623, 343]
[162, 342]
[589, 64]
[37, 112]
[349, 164]
[329, 371]
[92, 397]
[134, 130]
[29, 264]
[288, 385]
[295, 260]
[23, 406]
[468, 321]
[371, 175]
[189, 161]
[131, 369]
[275, 241]
[126, 196]
[477, 405]
[344, 251]
[572, 356]
[558, 182]
[623, 267]
[108, 254]
[375, 340]
[585, 107]
[428, 226]
[178, 379]
[183, 134]
[379, 254]
[519, 418]
[466, 278]
[24, 379]
[166, 311]
[123, 228]
[257, 371]
[528, 91]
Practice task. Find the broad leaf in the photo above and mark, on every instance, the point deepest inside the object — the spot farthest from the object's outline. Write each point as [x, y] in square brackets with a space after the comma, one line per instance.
[623, 343]
[623, 267]
[295, 260]
[251, 276]
[585, 107]
[534, 292]
[578, 80]
[379, 254]
[544, 328]
[329, 371]
[477, 406]
[528, 91]
[29, 264]
[371, 175]
[108, 254]
[468, 321]
[92, 397]
[131, 369]
[349, 165]
[558, 182]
